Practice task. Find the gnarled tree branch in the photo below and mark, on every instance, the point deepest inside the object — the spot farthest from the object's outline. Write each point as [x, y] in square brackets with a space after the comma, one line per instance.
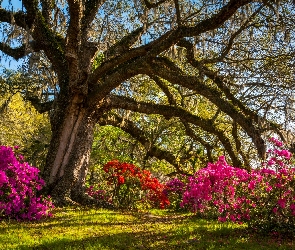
[213, 94]
[21, 51]
[168, 112]
[168, 39]
[19, 18]
[91, 8]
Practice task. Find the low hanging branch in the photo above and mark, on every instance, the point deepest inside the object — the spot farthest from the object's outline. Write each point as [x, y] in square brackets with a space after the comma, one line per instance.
[213, 94]
[188, 129]
[169, 112]
[221, 83]
[152, 150]
[40, 107]
[190, 132]
[21, 51]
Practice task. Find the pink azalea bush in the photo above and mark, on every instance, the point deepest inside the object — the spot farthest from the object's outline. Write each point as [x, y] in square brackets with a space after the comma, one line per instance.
[213, 190]
[19, 183]
[263, 197]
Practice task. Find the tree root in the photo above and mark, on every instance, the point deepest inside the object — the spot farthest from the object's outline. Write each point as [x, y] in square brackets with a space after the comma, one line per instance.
[63, 202]
[78, 200]
[61, 197]
[86, 200]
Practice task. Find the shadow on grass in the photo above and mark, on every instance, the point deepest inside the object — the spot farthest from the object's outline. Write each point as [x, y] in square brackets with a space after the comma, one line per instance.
[156, 241]
[104, 219]
[182, 233]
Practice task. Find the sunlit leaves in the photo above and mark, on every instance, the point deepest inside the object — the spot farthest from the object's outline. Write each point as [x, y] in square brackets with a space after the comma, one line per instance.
[22, 125]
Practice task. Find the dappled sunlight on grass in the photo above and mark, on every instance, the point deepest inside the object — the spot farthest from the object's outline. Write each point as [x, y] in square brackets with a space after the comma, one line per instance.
[103, 229]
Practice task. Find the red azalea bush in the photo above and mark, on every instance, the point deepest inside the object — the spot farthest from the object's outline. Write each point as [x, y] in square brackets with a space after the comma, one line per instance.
[130, 186]
[263, 197]
[19, 183]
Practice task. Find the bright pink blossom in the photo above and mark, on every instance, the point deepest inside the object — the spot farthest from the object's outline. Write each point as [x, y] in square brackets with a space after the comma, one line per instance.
[18, 185]
[282, 203]
[238, 195]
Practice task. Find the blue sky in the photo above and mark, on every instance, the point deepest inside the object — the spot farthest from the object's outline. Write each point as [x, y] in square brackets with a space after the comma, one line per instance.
[10, 62]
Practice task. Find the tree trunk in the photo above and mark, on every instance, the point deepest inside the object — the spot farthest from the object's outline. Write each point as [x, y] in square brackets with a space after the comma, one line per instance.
[69, 152]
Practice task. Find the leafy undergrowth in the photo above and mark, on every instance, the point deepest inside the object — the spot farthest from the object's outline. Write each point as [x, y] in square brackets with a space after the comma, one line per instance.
[103, 229]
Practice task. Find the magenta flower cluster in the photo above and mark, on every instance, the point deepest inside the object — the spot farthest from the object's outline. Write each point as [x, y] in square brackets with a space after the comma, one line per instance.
[215, 187]
[174, 189]
[263, 197]
[19, 183]
[98, 194]
[277, 157]
[174, 186]
[275, 142]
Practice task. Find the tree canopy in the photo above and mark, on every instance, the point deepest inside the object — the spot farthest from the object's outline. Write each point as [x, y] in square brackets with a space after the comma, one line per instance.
[220, 72]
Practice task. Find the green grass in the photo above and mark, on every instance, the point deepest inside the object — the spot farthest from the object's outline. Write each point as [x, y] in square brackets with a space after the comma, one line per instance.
[102, 229]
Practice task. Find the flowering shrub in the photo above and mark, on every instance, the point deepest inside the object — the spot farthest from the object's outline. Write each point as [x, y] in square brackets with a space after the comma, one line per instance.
[154, 190]
[174, 190]
[264, 197]
[129, 186]
[98, 194]
[18, 185]
[212, 190]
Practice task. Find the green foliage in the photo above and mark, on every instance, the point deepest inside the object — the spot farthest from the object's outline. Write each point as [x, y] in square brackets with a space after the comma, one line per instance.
[97, 61]
[22, 125]
[112, 143]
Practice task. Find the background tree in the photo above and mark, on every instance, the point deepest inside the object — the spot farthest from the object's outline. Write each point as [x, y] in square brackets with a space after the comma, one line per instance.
[20, 124]
[99, 51]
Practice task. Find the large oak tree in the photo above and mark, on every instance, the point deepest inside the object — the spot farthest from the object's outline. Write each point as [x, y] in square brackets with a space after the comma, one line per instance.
[100, 51]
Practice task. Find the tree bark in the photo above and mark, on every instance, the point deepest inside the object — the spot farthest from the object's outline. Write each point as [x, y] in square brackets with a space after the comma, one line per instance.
[69, 152]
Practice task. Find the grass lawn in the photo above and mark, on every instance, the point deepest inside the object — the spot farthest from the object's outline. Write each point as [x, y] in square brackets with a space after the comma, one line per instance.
[103, 229]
